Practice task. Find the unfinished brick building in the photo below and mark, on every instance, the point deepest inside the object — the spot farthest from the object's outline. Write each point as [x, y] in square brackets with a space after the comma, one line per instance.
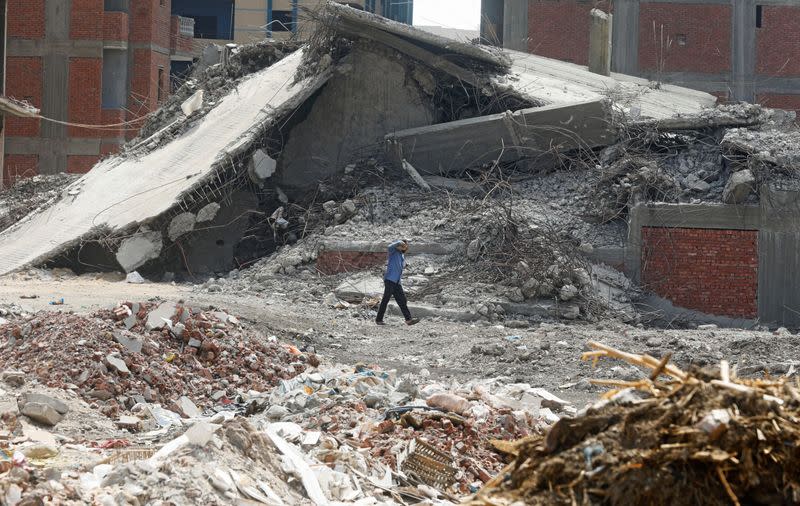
[736, 49]
[90, 62]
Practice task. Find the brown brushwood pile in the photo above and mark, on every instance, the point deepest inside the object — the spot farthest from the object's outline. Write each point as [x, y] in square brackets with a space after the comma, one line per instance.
[697, 437]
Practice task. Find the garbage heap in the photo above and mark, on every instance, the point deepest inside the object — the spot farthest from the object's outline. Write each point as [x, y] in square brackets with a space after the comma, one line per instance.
[697, 437]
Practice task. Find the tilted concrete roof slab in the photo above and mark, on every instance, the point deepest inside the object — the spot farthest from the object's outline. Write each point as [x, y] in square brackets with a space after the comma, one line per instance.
[121, 192]
[551, 82]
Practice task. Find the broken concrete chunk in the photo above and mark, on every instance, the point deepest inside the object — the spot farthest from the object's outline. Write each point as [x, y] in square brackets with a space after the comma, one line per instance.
[129, 340]
[187, 408]
[582, 277]
[31, 397]
[330, 207]
[180, 225]
[13, 378]
[135, 278]
[129, 422]
[193, 103]
[449, 402]
[568, 292]
[116, 363]
[739, 187]
[694, 183]
[156, 318]
[201, 433]
[41, 413]
[569, 312]
[261, 166]
[135, 251]
[208, 212]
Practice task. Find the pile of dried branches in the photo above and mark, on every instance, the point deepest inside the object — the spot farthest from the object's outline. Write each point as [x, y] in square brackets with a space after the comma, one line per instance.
[697, 437]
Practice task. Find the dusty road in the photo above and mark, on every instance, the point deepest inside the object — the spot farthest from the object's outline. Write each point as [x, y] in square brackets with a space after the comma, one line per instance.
[546, 355]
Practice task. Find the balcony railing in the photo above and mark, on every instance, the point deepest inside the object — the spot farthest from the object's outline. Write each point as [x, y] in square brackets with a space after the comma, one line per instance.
[186, 26]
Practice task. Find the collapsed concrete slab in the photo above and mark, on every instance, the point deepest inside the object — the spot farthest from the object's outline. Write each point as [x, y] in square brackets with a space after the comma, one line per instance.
[290, 127]
[525, 134]
[121, 193]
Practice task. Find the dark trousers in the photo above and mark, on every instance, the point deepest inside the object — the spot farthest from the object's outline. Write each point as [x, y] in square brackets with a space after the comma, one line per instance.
[393, 289]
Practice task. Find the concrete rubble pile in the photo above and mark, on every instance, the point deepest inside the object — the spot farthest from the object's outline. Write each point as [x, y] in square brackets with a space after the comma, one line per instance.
[140, 354]
[145, 402]
[33, 194]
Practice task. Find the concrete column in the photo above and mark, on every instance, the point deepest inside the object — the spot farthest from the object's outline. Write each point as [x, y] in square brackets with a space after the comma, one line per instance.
[2, 84]
[55, 102]
[600, 43]
[515, 25]
[492, 22]
[743, 46]
[625, 37]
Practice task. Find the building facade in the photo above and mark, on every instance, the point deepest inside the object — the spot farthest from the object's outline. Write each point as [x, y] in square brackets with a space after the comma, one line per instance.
[736, 49]
[83, 63]
[244, 21]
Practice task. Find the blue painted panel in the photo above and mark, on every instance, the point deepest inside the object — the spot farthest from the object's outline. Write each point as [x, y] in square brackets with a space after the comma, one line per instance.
[399, 10]
[213, 18]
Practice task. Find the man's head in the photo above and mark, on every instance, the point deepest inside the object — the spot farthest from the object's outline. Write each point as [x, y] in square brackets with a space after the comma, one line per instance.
[403, 247]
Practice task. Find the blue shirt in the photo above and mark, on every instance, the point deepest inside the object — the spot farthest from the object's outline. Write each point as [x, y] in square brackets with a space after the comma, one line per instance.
[395, 263]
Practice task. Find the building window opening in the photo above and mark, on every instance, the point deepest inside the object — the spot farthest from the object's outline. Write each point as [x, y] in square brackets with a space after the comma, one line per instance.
[759, 16]
[281, 21]
[160, 84]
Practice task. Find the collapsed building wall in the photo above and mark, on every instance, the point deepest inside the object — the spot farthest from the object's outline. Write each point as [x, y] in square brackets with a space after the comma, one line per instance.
[372, 92]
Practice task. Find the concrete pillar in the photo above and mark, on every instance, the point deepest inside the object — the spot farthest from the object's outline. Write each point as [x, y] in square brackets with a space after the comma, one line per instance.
[515, 25]
[625, 37]
[743, 46]
[2, 84]
[492, 22]
[600, 43]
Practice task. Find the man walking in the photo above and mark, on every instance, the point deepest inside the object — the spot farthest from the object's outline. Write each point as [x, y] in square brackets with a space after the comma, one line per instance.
[391, 283]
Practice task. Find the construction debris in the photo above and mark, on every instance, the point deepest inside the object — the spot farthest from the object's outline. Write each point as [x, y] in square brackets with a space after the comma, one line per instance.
[702, 436]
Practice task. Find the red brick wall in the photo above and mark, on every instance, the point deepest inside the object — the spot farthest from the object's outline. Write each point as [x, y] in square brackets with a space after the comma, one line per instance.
[112, 117]
[25, 19]
[24, 82]
[151, 22]
[86, 20]
[778, 41]
[108, 149]
[560, 29]
[144, 82]
[16, 167]
[713, 271]
[708, 37]
[335, 262]
[116, 26]
[81, 164]
[85, 95]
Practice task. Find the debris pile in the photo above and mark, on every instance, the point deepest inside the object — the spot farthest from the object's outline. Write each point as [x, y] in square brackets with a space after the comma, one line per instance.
[697, 437]
[147, 353]
[29, 195]
[371, 410]
[209, 85]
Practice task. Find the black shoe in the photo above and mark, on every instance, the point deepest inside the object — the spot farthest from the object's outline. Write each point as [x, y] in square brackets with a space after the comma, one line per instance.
[412, 321]
[380, 322]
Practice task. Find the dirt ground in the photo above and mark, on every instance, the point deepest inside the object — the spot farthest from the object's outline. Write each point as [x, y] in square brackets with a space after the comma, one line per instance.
[543, 354]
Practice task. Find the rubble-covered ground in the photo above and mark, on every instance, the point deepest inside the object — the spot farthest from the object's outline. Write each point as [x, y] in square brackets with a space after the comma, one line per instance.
[271, 384]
